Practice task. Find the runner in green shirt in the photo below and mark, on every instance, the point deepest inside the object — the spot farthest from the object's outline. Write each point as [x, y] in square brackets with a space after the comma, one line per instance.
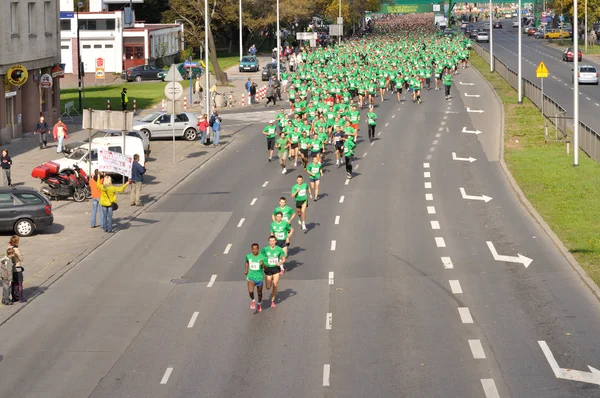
[372, 122]
[282, 231]
[447, 82]
[299, 192]
[305, 144]
[282, 144]
[275, 257]
[314, 170]
[271, 132]
[294, 138]
[255, 263]
[348, 153]
[288, 214]
[315, 147]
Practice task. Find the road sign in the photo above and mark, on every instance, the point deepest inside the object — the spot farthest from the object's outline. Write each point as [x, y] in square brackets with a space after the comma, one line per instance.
[173, 75]
[190, 65]
[173, 91]
[541, 71]
[99, 68]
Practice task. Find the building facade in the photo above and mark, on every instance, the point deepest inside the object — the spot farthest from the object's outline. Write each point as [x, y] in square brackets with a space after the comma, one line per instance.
[29, 66]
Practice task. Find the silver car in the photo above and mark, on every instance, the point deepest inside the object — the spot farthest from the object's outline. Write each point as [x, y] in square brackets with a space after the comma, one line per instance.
[160, 125]
[588, 74]
[483, 36]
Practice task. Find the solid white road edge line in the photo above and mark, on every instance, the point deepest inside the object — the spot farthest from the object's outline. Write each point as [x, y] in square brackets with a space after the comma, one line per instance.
[241, 222]
[489, 388]
[212, 280]
[435, 225]
[430, 209]
[455, 286]
[193, 319]
[477, 349]
[253, 201]
[331, 277]
[326, 372]
[465, 315]
[328, 321]
[166, 376]
[447, 261]
[439, 241]
[227, 248]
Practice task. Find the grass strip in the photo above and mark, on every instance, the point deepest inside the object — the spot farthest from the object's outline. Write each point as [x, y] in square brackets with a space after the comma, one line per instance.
[567, 197]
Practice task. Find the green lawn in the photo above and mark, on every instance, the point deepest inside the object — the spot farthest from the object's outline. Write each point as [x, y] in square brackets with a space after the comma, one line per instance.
[562, 44]
[146, 94]
[225, 61]
[567, 197]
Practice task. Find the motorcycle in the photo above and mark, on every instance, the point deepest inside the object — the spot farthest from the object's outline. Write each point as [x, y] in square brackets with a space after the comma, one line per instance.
[62, 185]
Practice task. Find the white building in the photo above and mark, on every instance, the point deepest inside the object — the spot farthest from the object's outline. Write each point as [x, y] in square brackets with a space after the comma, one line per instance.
[113, 36]
[29, 70]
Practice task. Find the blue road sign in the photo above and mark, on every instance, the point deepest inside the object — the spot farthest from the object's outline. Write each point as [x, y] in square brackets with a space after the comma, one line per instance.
[67, 14]
[190, 65]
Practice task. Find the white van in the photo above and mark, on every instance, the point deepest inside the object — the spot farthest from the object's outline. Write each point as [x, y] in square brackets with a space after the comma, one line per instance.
[80, 155]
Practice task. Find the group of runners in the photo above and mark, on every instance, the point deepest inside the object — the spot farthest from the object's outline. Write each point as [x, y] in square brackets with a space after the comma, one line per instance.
[327, 93]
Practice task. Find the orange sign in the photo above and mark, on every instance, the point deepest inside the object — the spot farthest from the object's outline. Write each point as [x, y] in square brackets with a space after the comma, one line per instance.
[99, 68]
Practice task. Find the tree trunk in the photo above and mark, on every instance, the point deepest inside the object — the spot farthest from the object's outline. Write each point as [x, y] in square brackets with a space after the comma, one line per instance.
[220, 75]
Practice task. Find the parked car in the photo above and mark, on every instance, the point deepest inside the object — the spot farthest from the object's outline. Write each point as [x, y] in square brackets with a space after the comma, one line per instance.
[23, 210]
[249, 63]
[80, 155]
[531, 31]
[587, 74]
[539, 34]
[117, 133]
[159, 125]
[474, 32]
[568, 55]
[497, 25]
[141, 72]
[270, 69]
[515, 23]
[483, 36]
[526, 29]
[556, 34]
[183, 71]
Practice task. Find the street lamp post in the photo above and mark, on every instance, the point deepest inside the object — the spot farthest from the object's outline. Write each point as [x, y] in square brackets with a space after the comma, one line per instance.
[80, 82]
[241, 45]
[586, 28]
[520, 71]
[278, 46]
[491, 39]
[575, 85]
[340, 15]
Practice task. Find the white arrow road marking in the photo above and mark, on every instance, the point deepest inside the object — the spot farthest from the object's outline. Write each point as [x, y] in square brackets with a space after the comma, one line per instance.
[472, 197]
[469, 159]
[447, 263]
[474, 110]
[526, 261]
[464, 130]
[328, 321]
[472, 95]
[466, 84]
[593, 376]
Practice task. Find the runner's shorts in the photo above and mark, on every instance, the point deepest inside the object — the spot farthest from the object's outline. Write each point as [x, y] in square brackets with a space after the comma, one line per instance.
[270, 144]
[256, 283]
[282, 156]
[281, 243]
[300, 203]
[272, 270]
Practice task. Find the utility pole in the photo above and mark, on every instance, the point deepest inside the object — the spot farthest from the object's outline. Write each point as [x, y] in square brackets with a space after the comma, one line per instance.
[575, 85]
[79, 80]
[520, 70]
[340, 15]
[241, 44]
[492, 39]
[586, 29]
[278, 46]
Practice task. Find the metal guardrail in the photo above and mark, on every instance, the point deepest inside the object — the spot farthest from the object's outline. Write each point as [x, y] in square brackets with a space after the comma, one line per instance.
[589, 140]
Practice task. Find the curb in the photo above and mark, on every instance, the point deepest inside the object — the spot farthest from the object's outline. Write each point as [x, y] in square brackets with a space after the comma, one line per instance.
[534, 213]
[15, 309]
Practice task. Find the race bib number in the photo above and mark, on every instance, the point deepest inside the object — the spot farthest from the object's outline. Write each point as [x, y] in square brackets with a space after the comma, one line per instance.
[278, 236]
[273, 260]
[254, 265]
[302, 192]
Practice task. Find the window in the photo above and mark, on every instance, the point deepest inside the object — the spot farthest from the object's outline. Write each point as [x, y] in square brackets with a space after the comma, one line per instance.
[182, 118]
[108, 46]
[164, 119]
[6, 200]
[87, 46]
[97, 24]
[97, 45]
[14, 18]
[115, 149]
[65, 24]
[31, 18]
[64, 47]
[48, 17]
[29, 198]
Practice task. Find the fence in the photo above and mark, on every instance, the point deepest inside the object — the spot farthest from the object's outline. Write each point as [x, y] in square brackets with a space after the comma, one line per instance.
[589, 140]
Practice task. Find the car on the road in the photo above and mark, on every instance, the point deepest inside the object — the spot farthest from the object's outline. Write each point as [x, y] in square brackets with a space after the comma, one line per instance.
[141, 72]
[249, 63]
[183, 71]
[539, 34]
[464, 24]
[531, 31]
[587, 74]
[526, 29]
[567, 55]
[483, 36]
[497, 25]
[270, 69]
[515, 23]
[160, 125]
[556, 34]
[23, 210]
[474, 32]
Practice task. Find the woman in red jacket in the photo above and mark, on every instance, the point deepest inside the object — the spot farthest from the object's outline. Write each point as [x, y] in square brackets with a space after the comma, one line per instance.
[203, 127]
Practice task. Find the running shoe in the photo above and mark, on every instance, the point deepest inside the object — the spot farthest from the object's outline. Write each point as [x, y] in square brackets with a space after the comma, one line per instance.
[270, 159]
[349, 175]
[303, 227]
[272, 304]
[253, 306]
[299, 222]
[259, 308]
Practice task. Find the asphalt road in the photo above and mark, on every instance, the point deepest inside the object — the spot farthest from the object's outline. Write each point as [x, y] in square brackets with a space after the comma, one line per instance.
[559, 85]
[392, 291]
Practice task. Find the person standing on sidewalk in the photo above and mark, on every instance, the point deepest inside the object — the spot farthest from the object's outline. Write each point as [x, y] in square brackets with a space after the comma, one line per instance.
[95, 198]
[253, 94]
[59, 132]
[215, 125]
[6, 270]
[198, 90]
[17, 276]
[203, 126]
[108, 201]
[6, 165]
[124, 99]
[41, 128]
[137, 176]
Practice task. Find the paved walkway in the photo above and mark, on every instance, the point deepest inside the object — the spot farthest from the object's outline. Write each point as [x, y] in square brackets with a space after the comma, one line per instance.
[51, 252]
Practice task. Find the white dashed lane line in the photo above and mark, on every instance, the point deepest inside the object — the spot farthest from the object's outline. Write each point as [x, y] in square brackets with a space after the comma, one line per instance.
[455, 287]
[227, 248]
[331, 277]
[387, 124]
[342, 199]
[425, 165]
[265, 184]
[426, 174]
[489, 388]
[253, 201]
[347, 182]
[241, 222]
[465, 315]
[447, 261]
[428, 196]
[477, 349]
[329, 321]
[435, 224]
[333, 244]
[326, 372]
[427, 185]
[193, 320]
[166, 376]
[212, 280]
[364, 154]
[337, 220]
[440, 242]
[430, 209]
[428, 157]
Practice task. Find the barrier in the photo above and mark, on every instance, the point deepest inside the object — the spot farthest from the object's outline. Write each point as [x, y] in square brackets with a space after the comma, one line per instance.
[184, 103]
[69, 107]
[243, 97]
[108, 105]
[134, 106]
[162, 108]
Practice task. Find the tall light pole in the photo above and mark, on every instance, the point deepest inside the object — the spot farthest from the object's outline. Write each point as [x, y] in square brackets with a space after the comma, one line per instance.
[241, 45]
[575, 86]
[206, 74]
[340, 15]
[491, 39]
[586, 28]
[79, 80]
[278, 46]
[520, 71]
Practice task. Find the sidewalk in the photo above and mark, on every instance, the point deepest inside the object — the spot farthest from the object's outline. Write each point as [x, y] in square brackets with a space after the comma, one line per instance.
[51, 252]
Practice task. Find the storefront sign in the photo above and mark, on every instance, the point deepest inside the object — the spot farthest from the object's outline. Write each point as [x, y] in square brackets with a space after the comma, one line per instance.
[58, 71]
[46, 81]
[17, 75]
[114, 162]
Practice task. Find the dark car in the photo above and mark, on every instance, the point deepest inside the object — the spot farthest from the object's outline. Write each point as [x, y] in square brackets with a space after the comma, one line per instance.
[141, 72]
[23, 210]
[249, 63]
[183, 71]
[568, 55]
[271, 70]
[497, 25]
[474, 32]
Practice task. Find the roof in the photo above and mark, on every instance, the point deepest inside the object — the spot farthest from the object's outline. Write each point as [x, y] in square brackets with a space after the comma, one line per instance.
[151, 27]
